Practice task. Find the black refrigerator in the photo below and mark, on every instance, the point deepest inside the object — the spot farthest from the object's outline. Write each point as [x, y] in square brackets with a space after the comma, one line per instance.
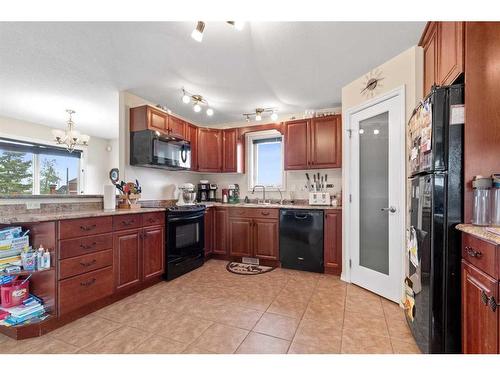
[432, 283]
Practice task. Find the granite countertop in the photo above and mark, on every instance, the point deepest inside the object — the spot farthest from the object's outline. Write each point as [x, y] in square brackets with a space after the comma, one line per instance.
[49, 196]
[272, 205]
[53, 216]
[480, 232]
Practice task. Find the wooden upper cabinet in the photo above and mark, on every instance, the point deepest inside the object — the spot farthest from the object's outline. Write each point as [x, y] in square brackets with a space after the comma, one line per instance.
[209, 150]
[479, 320]
[192, 137]
[266, 239]
[333, 242]
[240, 236]
[429, 43]
[158, 120]
[229, 155]
[443, 44]
[450, 59]
[148, 117]
[153, 257]
[176, 127]
[326, 142]
[297, 144]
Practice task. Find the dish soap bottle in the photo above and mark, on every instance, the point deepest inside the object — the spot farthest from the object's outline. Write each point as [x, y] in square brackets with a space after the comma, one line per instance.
[46, 260]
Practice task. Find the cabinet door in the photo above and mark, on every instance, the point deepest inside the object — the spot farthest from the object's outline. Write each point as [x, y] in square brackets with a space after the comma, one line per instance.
[240, 236]
[326, 142]
[333, 242]
[296, 144]
[127, 258]
[209, 150]
[479, 321]
[229, 156]
[430, 57]
[266, 239]
[220, 231]
[209, 231]
[176, 127]
[153, 250]
[192, 137]
[450, 59]
[157, 120]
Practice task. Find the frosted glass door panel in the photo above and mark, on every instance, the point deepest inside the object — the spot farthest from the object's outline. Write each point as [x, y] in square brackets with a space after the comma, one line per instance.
[374, 193]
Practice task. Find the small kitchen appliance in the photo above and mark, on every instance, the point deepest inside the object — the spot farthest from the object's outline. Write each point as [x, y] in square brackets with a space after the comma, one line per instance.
[233, 193]
[212, 192]
[187, 195]
[319, 199]
[481, 210]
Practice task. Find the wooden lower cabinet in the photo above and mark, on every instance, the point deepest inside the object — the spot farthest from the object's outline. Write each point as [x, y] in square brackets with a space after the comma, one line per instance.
[479, 319]
[240, 237]
[153, 253]
[220, 231]
[266, 239]
[333, 241]
[127, 258]
[254, 233]
[209, 231]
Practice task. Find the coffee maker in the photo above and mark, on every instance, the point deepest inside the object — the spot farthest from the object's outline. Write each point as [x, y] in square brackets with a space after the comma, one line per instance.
[233, 193]
[206, 192]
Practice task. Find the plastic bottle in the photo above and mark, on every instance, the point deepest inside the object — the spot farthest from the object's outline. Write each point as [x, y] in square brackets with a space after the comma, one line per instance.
[46, 260]
[39, 258]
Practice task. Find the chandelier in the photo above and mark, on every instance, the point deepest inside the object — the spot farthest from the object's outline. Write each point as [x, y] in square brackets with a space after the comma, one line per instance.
[70, 137]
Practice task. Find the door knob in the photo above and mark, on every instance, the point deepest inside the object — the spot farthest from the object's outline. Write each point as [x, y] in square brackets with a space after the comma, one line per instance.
[389, 209]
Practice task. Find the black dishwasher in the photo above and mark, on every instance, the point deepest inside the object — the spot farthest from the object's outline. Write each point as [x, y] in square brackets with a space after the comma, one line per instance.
[301, 239]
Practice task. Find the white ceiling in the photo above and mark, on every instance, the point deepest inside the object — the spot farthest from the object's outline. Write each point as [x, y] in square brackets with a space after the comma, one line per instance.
[48, 67]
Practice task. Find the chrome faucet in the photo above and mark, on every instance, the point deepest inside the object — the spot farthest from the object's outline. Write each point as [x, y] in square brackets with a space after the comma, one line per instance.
[263, 192]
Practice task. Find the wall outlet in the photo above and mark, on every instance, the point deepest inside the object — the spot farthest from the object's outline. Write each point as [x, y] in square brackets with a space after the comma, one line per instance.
[32, 205]
[329, 186]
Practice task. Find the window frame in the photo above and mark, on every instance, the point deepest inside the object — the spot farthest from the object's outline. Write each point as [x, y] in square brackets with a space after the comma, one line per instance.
[35, 190]
[252, 158]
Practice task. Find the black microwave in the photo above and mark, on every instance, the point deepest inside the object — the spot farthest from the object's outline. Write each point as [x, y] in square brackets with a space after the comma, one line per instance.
[149, 148]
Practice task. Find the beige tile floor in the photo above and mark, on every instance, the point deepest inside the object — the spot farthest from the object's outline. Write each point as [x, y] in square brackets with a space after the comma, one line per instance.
[213, 311]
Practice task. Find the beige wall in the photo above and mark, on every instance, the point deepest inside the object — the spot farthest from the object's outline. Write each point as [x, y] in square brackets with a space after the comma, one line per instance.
[96, 160]
[404, 69]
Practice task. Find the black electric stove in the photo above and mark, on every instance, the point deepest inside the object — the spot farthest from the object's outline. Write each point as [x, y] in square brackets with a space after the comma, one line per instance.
[185, 239]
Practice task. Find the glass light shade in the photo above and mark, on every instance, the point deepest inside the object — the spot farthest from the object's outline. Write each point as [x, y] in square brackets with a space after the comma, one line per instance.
[274, 116]
[186, 99]
[85, 138]
[210, 111]
[258, 117]
[376, 131]
[196, 35]
[197, 107]
[239, 25]
[58, 133]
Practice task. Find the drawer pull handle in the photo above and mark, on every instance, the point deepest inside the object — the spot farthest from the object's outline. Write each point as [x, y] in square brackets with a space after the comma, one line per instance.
[473, 253]
[86, 228]
[127, 223]
[300, 258]
[484, 298]
[88, 283]
[88, 264]
[265, 213]
[86, 247]
[493, 304]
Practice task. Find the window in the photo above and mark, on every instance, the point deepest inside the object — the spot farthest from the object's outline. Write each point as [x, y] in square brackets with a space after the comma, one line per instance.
[30, 168]
[265, 160]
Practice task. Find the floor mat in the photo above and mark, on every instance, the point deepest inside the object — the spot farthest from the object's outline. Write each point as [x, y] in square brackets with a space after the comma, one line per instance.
[247, 269]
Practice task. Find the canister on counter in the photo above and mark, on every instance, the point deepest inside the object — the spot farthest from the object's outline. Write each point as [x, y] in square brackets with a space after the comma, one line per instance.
[481, 210]
[495, 200]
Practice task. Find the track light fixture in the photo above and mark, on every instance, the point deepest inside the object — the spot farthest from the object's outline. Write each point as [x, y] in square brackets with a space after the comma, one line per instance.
[257, 115]
[197, 100]
[197, 33]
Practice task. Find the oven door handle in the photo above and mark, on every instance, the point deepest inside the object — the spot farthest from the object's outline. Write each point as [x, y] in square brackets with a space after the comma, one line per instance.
[183, 218]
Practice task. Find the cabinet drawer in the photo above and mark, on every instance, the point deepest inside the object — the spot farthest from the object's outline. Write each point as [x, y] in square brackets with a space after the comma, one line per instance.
[266, 213]
[85, 245]
[127, 221]
[82, 290]
[153, 218]
[84, 227]
[480, 254]
[85, 263]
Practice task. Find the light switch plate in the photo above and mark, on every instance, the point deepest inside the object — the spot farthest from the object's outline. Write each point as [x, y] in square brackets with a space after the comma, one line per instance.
[32, 205]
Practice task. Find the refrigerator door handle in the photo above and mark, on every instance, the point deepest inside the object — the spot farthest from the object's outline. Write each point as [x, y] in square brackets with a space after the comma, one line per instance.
[389, 209]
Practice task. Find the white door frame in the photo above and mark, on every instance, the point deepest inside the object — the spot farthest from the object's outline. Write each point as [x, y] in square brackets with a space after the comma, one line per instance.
[398, 93]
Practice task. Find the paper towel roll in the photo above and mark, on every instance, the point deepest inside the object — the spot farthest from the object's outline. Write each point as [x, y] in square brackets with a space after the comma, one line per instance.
[109, 197]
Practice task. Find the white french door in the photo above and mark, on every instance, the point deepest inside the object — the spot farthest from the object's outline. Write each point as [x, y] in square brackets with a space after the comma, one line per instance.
[377, 199]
